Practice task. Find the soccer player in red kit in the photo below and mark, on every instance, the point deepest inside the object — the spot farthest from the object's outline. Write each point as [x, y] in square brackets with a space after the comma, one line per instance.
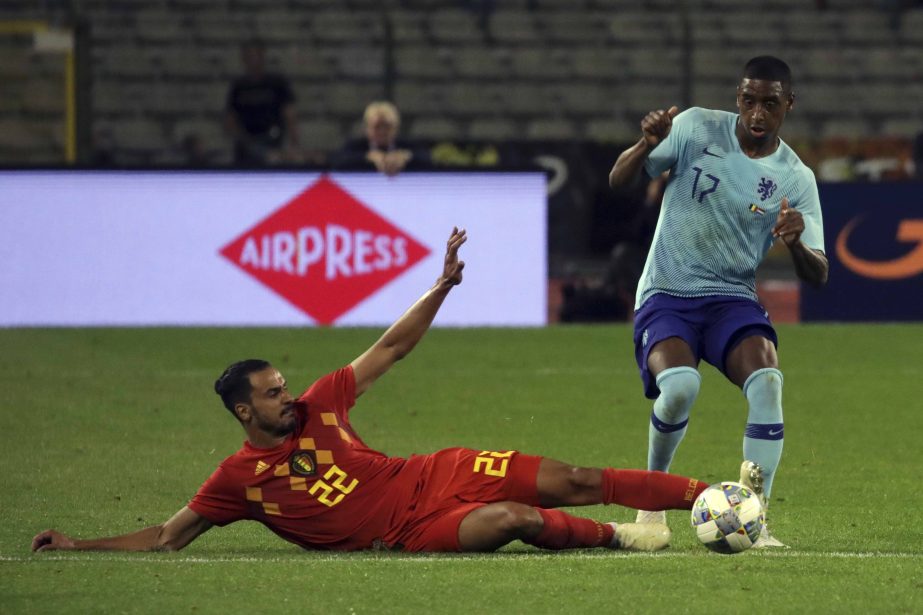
[305, 474]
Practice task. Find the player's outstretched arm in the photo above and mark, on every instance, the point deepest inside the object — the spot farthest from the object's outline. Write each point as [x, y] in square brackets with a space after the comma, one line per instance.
[181, 529]
[655, 127]
[403, 335]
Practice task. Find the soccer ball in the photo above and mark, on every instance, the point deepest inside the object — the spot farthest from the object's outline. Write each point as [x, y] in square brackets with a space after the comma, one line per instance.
[728, 518]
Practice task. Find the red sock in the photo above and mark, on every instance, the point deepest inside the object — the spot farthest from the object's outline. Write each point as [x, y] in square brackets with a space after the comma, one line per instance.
[564, 531]
[648, 490]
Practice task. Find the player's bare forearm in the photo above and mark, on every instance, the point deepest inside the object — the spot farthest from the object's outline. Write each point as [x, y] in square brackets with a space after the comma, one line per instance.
[627, 169]
[810, 265]
[172, 535]
[147, 539]
[403, 335]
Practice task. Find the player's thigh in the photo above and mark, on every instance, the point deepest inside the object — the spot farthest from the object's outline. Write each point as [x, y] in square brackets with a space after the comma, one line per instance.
[668, 353]
[752, 353]
[490, 527]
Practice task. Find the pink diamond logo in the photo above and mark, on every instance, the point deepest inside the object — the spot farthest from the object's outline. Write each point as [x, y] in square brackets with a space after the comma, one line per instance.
[324, 251]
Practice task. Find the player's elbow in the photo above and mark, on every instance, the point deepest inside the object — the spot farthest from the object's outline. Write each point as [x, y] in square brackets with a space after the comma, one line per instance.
[616, 178]
[166, 543]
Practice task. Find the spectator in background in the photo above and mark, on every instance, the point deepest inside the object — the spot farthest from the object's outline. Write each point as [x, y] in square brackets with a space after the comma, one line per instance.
[380, 149]
[260, 114]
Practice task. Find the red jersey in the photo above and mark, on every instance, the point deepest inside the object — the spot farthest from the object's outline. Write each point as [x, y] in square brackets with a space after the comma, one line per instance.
[322, 488]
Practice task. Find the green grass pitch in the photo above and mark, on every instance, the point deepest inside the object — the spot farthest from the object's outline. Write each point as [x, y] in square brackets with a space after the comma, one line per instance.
[108, 431]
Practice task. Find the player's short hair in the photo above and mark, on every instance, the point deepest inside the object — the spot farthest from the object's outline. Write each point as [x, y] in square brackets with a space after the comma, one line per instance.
[234, 384]
[769, 68]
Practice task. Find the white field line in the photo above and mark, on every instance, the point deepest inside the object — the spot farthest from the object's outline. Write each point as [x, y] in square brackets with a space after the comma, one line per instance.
[433, 559]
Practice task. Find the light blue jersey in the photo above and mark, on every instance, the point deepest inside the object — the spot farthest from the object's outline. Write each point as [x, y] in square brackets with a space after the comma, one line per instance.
[719, 208]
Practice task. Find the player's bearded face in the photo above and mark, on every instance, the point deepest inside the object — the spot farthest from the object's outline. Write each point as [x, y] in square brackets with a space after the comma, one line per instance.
[762, 105]
[272, 407]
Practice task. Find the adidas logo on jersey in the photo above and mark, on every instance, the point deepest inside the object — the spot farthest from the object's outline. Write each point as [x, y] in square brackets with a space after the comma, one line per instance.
[261, 466]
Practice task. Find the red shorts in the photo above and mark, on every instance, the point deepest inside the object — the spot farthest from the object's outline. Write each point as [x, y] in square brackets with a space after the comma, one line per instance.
[457, 481]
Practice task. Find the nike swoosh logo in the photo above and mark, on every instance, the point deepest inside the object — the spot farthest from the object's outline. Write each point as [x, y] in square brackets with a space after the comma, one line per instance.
[775, 432]
[708, 153]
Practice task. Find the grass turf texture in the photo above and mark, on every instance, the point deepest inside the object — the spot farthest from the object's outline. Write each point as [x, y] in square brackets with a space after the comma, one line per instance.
[108, 431]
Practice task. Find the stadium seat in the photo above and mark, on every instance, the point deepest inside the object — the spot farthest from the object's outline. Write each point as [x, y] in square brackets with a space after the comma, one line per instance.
[408, 27]
[320, 135]
[128, 63]
[454, 26]
[423, 62]
[220, 29]
[14, 64]
[899, 127]
[348, 99]
[466, 99]
[480, 62]
[514, 27]
[186, 64]
[302, 62]
[139, 137]
[415, 97]
[598, 62]
[44, 98]
[210, 131]
[551, 129]
[434, 129]
[159, 27]
[281, 27]
[18, 136]
[612, 130]
[493, 130]
[590, 98]
[361, 63]
[849, 128]
[541, 63]
[570, 27]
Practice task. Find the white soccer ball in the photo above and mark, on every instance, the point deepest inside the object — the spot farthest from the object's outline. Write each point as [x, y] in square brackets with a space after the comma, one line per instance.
[727, 518]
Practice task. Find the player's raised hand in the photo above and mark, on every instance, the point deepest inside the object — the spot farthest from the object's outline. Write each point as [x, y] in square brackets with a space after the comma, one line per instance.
[51, 540]
[656, 125]
[452, 268]
[789, 224]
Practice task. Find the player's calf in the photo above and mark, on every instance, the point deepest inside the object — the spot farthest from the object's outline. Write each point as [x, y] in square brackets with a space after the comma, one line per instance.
[492, 526]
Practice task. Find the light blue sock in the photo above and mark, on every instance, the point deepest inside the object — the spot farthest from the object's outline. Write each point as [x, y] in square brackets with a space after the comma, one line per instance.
[678, 389]
[763, 437]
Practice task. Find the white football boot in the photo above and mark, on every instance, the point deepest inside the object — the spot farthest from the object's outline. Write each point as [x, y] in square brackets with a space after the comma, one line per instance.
[640, 536]
[751, 477]
[652, 516]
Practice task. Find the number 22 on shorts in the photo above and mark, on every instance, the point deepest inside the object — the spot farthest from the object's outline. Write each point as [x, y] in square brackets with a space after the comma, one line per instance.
[486, 463]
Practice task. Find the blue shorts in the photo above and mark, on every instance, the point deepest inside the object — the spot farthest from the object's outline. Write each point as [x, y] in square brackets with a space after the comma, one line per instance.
[712, 326]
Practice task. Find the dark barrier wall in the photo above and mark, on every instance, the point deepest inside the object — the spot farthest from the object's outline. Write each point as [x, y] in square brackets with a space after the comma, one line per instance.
[874, 239]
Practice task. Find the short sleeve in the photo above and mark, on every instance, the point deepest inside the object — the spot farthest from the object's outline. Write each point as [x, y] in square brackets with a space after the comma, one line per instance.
[669, 151]
[220, 500]
[808, 204]
[335, 391]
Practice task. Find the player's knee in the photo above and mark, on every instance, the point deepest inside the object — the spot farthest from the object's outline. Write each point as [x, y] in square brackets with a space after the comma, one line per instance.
[765, 386]
[679, 387]
[584, 479]
[517, 519]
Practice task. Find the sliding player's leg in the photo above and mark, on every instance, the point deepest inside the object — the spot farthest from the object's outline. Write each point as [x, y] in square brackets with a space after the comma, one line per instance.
[561, 484]
[494, 525]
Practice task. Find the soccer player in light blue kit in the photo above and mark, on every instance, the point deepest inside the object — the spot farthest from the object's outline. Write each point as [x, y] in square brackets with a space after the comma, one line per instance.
[734, 187]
